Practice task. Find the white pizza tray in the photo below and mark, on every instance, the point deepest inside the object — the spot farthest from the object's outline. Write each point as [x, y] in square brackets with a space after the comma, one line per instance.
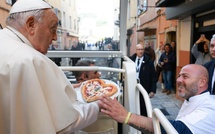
[79, 95]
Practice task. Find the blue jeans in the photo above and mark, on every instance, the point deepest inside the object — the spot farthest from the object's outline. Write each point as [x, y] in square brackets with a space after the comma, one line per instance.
[167, 77]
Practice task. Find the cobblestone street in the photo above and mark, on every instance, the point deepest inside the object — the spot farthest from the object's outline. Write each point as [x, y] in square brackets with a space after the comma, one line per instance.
[168, 104]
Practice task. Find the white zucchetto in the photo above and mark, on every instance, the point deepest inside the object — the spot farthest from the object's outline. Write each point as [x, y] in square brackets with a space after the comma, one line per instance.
[28, 5]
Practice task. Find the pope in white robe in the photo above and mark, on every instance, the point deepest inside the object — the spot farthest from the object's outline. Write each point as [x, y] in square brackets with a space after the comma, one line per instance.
[35, 95]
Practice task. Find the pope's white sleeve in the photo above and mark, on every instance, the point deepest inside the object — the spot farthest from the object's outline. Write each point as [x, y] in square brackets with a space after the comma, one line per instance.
[88, 113]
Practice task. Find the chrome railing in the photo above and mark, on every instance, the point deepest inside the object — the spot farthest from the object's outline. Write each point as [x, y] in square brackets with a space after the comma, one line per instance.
[159, 118]
[146, 99]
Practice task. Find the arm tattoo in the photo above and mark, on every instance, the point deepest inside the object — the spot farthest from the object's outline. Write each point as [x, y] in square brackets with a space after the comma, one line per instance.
[145, 131]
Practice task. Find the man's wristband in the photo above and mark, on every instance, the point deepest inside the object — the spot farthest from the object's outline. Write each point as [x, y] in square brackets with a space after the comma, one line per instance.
[127, 118]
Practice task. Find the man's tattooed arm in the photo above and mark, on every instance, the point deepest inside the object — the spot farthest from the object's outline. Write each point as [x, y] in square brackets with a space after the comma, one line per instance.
[141, 123]
[145, 131]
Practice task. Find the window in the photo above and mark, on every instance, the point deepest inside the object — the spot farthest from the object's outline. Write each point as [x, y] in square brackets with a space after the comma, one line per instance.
[70, 22]
[75, 24]
[64, 19]
[141, 6]
[129, 10]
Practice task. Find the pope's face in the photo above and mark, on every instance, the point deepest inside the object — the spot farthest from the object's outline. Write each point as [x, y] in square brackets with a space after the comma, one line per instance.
[45, 31]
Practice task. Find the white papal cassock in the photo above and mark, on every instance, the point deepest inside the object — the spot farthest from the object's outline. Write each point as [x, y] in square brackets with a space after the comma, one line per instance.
[35, 95]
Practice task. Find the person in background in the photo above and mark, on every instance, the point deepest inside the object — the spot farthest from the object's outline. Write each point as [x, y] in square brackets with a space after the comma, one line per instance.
[146, 74]
[35, 95]
[57, 61]
[109, 47]
[75, 47]
[158, 67]
[82, 76]
[210, 67]
[167, 60]
[149, 51]
[201, 57]
[173, 47]
[196, 115]
[111, 61]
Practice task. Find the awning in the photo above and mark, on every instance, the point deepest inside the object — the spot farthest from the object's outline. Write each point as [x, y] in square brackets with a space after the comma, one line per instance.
[189, 8]
[168, 3]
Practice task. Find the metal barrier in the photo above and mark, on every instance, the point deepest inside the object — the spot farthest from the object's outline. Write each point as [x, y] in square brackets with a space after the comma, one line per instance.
[158, 117]
[146, 99]
[88, 68]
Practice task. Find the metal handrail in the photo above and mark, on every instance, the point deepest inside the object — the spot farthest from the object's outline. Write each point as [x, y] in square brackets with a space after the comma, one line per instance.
[148, 103]
[159, 118]
[89, 68]
[156, 115]
[83, 54]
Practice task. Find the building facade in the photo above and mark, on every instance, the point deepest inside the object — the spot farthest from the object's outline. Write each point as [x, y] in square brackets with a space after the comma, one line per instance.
[163, 21]
[195, 17]
[148, 23]
[68, 26]
[5, 6]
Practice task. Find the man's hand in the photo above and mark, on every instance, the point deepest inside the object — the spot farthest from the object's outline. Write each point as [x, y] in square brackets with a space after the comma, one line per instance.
[202, 39]
[165, 60]
[151, 94]
[162, 63]
[113, 108]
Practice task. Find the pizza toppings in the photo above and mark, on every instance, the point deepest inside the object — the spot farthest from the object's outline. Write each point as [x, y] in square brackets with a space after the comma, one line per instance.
[92, 89]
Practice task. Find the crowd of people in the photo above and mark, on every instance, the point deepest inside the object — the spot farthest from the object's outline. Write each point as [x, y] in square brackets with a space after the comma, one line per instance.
[99, 45]
[37, 98]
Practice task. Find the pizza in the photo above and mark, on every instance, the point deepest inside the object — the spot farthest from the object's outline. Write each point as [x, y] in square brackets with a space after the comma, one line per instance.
[92, 89]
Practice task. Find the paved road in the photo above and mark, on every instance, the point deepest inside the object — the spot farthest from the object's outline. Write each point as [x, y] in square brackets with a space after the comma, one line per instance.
[168, 104]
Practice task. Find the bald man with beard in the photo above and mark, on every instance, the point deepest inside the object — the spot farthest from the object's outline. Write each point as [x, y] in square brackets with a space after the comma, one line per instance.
[195, 116]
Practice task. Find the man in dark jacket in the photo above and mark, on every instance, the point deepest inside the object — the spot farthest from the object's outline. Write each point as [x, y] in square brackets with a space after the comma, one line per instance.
[210, 67]
[146, 75]
[167, 61]
[75, 47]
[57, 61]
[149, 51]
